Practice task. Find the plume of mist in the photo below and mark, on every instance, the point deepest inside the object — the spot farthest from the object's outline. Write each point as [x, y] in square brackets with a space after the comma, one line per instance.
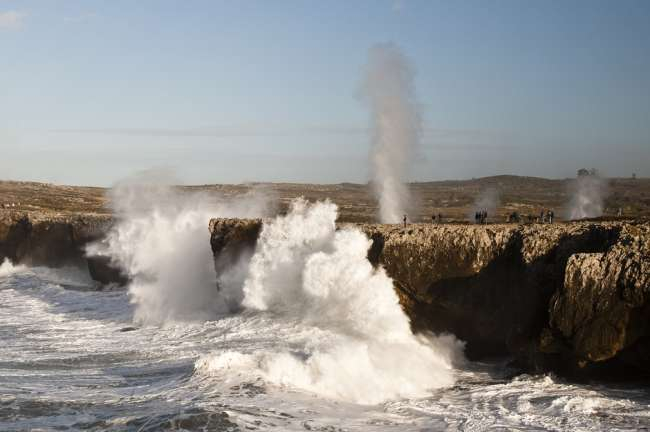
[489, 199]
[7, 268]
[396, 127]
[307, 272]
[161, 241]
[588, 193]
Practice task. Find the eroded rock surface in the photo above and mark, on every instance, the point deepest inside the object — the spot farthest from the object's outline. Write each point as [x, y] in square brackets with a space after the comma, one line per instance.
[232, 239]
[56, 240]
[601, 314]
[561, 296]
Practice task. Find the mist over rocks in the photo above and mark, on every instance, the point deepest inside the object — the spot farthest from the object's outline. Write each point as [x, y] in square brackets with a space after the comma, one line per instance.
[588, 192]
[564, 297]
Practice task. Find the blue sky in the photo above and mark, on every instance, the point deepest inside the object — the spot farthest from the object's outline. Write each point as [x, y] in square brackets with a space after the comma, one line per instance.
[234, 91]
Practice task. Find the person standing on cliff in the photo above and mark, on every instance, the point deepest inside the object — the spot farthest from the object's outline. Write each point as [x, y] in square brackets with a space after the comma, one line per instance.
[404, 221]
[551, 215]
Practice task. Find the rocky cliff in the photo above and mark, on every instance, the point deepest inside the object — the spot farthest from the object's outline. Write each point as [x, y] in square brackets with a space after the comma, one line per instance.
[568, 297]
[45, 239]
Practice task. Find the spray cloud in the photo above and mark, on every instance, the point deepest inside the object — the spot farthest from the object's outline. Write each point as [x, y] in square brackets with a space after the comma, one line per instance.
[360, 347]
[396, 125]
[487, 200]
[160, 240]
[587, 195]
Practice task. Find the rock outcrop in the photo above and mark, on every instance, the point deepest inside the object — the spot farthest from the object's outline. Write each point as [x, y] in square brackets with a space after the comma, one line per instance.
[568, 297]
[600, 317]
[56, 240]
[231, 238]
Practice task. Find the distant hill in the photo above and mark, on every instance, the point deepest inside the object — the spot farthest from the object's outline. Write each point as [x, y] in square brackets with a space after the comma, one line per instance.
[454, 199]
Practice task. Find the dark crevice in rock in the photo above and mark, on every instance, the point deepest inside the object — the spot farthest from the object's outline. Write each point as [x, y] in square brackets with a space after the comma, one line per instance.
[483, 310]
[374, 253]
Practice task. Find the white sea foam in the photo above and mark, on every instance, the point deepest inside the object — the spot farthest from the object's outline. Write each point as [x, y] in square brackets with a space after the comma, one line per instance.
[161, 240]
[362, 350]
[7, 268]
[66, 364]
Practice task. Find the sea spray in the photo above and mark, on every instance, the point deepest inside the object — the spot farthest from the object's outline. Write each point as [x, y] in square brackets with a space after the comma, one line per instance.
[487, 200]
[395, 127]
[161, 241]
[7, 268]
[588, 192]
[360, 347]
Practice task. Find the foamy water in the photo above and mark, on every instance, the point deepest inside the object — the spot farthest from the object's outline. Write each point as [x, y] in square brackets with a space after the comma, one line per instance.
[72, 360]
[304, 334]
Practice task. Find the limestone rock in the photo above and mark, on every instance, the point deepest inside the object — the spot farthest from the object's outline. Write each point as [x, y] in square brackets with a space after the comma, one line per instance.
[602, 312]
[55, 240]
[552, 296]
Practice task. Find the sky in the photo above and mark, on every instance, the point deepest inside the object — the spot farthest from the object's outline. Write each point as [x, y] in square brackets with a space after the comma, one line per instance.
[239, 91]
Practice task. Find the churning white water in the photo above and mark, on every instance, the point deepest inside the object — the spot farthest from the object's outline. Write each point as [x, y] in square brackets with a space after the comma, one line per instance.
[360, 347]
[319, 342]
[70, 359]
[304, 272]
[161, 239]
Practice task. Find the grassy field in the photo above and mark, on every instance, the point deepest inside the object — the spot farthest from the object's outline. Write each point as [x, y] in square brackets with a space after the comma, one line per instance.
[455, 200]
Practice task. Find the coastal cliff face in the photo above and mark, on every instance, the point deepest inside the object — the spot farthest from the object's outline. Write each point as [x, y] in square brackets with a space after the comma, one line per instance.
[573, 298]
[55, 241]
[602, 311]
[568, 297]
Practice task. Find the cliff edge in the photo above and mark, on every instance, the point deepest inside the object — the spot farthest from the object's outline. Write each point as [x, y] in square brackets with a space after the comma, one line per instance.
[56, 240]
[566, 297]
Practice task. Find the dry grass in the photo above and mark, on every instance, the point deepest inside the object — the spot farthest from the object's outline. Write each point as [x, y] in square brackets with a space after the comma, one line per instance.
[453, 199]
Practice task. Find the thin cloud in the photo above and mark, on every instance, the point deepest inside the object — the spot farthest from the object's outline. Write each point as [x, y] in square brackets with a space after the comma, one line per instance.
[470, 147]
[398, 5]
[11, 19]
[277, 130]
[223, 131]
[80, 18]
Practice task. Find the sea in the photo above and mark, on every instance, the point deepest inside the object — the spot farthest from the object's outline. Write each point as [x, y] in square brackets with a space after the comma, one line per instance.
[71, 358]
[300, 333]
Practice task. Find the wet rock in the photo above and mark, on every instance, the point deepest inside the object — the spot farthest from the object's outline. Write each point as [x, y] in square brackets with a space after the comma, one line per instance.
[231, 239]
[102, 270]
[55, 240]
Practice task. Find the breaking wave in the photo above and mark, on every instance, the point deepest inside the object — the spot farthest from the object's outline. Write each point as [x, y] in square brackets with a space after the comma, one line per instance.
[350, 339]
[357, 344]
[161, 241]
